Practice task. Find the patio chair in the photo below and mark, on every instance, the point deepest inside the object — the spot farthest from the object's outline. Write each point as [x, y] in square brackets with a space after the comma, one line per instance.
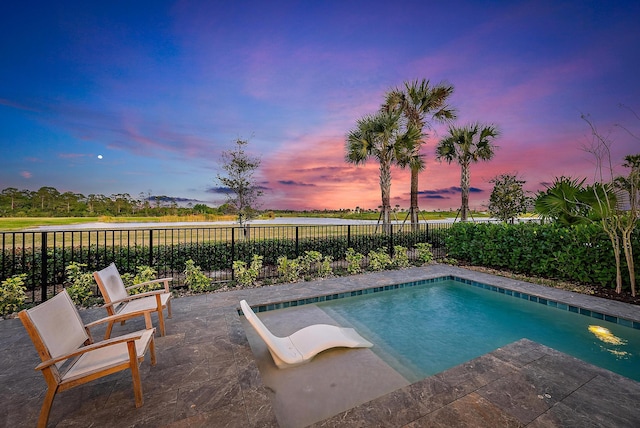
[118, 300]
[306, 343]
[69, 355]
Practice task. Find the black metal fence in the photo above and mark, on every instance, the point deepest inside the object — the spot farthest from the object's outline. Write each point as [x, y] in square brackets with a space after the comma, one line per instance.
[43, 256]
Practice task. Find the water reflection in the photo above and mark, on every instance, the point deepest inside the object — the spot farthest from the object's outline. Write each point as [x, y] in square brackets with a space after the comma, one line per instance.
[606, 336]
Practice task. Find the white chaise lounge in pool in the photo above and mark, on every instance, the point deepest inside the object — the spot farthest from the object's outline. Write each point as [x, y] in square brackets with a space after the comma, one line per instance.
[306, 343]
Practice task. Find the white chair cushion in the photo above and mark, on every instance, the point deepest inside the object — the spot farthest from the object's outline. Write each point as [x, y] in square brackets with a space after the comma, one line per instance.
[144, 303]
[109, 356]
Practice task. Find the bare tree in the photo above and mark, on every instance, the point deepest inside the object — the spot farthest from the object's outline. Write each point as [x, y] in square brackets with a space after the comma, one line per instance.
[615, 200]
[238, 177]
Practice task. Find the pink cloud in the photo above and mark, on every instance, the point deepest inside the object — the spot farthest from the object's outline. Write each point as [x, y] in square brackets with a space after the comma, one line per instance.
[26, 174]
[336, 184]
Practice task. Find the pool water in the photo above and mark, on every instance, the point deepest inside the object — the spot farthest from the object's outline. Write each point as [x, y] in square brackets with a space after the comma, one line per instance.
[423, 330]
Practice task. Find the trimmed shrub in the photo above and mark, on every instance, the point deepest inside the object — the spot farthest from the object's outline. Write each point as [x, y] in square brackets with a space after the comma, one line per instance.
[400, 258]
[354, 261]
[247, 276]
[143, 274]
[313, 264]
[581, 253]
[79, 283]
[195, 279]
[379, 259]
[423, 252]
[288, 270]
[12, 294]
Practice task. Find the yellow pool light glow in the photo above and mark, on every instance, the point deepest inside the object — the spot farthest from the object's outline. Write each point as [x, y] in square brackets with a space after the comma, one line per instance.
[605, 335]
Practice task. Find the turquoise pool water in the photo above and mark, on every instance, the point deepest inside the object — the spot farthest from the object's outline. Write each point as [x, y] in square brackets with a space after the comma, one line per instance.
[426, 329]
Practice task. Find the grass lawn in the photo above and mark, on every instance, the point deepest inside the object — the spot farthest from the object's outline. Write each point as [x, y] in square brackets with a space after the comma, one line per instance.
[19, 223]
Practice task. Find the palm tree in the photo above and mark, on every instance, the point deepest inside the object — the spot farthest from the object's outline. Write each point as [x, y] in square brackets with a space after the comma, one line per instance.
[470, 143]
[379, 136]
[561, 201]
[418, 101]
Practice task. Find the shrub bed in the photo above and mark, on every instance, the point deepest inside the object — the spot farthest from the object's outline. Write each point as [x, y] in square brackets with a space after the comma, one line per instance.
[579, 253]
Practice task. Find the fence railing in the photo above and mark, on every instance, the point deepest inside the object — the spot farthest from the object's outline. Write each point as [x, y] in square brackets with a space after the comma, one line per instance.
[43, 256]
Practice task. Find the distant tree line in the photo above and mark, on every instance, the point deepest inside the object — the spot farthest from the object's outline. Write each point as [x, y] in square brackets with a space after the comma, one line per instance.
[49, 202]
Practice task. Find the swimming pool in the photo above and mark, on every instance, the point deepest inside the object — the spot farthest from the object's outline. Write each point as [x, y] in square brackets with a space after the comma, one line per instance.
[421, 330]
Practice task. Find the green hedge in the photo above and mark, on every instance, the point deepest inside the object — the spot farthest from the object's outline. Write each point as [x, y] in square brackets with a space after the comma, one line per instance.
[578, 253]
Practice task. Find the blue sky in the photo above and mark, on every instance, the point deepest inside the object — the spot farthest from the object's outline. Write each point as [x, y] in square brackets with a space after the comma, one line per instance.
[160, 88]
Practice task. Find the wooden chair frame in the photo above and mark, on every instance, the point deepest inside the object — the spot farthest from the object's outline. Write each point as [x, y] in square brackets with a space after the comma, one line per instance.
[60, 362]
[118, 301]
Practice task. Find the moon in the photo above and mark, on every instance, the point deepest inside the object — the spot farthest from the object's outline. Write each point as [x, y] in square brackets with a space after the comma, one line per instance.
[99, 156]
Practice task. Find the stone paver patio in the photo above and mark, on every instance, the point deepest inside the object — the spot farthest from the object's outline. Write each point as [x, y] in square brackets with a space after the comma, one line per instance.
[208, 375]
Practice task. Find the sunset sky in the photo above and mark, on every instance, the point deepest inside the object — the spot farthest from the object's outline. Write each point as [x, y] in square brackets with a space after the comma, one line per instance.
[160, 88]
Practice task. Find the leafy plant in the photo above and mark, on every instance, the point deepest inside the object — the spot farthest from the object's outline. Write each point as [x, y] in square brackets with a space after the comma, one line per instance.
[288, 269]
[143, 274]
[324, 267]
[423, 252]
[309, 261]
[400, 257]
[379, 259]
[195, 279]
[12, 294]
[313, 263]
[354, 261]
[246, 276]
[79, 283]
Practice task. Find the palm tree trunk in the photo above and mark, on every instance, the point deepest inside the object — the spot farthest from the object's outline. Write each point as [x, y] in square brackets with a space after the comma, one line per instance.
[385, 189]
[464, 189]
[414, 210]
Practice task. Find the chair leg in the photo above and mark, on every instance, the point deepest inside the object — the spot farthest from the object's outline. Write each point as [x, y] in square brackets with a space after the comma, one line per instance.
[169, 308]
[46, 406]
[107, 334]
[147, 321]
[161, 322]
[152, 351]
[135, 374]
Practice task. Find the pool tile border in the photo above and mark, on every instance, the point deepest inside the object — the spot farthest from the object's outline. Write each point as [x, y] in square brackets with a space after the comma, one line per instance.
[502, 290]
[552, 303]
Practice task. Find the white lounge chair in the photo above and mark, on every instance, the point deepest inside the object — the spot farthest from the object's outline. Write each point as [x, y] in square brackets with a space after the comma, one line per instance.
[306, 343]
[70, 357]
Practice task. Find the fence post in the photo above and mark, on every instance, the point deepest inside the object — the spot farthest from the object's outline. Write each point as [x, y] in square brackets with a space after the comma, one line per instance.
[44, 267]
[391, 240]
[297, 243]
[150, 247]
[348, 236]
[233, 251]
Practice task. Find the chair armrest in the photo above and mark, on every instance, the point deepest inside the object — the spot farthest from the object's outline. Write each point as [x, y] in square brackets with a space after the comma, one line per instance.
[153, 281]
[147, 294]
[135, 296]
[119, 317]
[131, 337]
